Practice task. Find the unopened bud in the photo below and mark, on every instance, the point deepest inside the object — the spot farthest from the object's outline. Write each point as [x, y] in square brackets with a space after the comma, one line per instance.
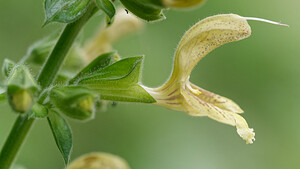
[21, 101]
[74, 101]
[87, 104]
[21, 89]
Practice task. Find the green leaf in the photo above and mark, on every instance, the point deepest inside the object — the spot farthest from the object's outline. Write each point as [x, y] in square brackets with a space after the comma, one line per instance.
[107, 7]
[38, 111]
[62, 134]
[119, 82]
[144, 9]
[65, 11]
[156, 3]
[8, 65]
[99, 63]
[76, 102]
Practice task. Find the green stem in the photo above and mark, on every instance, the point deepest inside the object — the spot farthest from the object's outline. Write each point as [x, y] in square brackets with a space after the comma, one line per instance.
[57, 57]
[14, 141]
[46, 77]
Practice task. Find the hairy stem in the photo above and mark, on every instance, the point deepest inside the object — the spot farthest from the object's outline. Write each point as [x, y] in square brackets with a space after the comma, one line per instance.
[14, 141]
[46, 77]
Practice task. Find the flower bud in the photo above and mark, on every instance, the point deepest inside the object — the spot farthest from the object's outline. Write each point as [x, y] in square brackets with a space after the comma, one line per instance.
[87, 104]
[74, 101]
[99, 161]
[21, 89]
[21, 100]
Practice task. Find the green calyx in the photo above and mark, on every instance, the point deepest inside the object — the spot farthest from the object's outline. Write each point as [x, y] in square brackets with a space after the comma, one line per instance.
[21, 89]
[119, 81]
[38, 111]
[97, 64]
[74, 101]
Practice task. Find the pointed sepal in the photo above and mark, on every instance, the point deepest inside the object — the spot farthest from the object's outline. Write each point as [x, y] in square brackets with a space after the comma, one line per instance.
[119, 81]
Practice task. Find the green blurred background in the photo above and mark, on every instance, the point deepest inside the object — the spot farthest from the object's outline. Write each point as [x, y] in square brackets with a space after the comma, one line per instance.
[260, 73]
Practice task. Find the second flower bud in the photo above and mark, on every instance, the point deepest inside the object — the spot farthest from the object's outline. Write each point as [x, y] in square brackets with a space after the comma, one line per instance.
[74, 101]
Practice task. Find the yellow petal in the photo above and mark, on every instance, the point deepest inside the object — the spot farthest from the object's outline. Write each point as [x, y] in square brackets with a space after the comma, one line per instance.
[217, 100]
[197, 107]
[205, 36]
[167, 96]
[182, 3]
[244, 131]
[99, 161]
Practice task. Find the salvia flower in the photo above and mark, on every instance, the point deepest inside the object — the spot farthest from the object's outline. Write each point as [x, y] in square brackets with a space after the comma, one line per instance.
[178, 93]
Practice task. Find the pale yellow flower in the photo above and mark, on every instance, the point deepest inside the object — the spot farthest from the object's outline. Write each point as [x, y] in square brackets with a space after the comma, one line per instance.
[99, 161]
[182, 3]
[124, 24]
[178, 93]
